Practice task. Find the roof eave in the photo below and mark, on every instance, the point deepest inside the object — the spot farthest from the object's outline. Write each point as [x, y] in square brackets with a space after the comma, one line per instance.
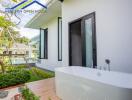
[28, 24]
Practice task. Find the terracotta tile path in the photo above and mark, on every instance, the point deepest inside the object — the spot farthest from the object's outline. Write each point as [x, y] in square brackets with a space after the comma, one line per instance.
[44, 88]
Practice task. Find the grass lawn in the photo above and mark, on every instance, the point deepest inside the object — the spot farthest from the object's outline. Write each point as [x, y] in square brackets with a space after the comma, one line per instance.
[39, 74]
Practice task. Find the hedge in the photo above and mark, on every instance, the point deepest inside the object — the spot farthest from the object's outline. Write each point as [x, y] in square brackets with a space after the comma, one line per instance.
[14, 77]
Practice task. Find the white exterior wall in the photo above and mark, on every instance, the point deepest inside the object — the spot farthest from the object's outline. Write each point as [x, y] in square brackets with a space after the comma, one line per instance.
[52, 62]
[113, 26]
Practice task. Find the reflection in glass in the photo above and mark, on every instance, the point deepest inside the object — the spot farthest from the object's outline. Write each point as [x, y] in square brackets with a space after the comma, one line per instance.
[88, 38]
[41, 43]
[59, 39]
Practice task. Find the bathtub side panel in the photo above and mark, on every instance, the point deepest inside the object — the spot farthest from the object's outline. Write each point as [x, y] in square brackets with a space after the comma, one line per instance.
[70, 87]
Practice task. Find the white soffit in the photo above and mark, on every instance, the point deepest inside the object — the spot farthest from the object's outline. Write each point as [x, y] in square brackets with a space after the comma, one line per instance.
[54, 10]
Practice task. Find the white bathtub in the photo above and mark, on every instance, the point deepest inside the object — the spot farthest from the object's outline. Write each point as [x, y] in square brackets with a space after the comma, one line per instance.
[79, 83]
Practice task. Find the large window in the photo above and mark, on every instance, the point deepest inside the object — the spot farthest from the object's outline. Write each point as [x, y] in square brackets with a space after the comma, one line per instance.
[43, 43]
[59, 39]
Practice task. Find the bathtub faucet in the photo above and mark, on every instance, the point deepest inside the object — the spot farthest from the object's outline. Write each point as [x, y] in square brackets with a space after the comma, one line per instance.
[108, 63]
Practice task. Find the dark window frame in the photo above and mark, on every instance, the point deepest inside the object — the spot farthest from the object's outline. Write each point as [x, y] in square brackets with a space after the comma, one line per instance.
[94, 44]
[59, 51]
[45, 44]
[93, 16]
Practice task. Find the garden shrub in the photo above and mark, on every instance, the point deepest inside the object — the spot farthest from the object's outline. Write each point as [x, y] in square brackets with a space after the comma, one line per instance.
[22, 66]
[28, 95]
[14, 77]
[43, 74]
[14, 67]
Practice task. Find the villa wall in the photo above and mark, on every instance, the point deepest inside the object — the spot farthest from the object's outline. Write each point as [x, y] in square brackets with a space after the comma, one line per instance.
[113, 26]
[52, 62]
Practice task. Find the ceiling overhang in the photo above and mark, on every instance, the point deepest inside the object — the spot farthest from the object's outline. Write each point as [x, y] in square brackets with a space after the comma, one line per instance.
[54, 10]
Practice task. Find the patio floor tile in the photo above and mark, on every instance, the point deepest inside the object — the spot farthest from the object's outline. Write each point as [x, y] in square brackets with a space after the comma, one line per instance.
[44, 88]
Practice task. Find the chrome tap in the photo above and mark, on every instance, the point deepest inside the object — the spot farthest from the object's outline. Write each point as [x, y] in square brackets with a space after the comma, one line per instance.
[108, 63]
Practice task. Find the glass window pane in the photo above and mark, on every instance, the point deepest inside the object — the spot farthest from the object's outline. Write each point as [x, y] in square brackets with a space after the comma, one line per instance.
[88, 38]
[42, 44]
[60, 39]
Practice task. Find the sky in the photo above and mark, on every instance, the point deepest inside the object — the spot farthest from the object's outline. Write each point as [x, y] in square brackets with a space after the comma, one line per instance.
[29, 33]
[25, 17]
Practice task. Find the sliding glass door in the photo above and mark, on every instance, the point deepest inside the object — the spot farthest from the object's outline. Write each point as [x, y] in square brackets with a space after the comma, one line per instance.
[89, 40]
[82, 39]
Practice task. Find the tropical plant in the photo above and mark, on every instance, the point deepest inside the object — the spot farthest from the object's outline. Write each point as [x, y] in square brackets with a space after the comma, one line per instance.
[29, 95]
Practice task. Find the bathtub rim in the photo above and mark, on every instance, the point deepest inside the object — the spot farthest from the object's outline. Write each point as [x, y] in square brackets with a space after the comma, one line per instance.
[102, 82]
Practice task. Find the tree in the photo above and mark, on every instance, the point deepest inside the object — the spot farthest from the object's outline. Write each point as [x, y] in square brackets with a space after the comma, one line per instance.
[22, 40]
[8, 35]
[5, 36]
[5, 23]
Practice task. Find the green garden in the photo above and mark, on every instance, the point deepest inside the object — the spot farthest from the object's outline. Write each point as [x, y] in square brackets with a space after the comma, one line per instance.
[20, 74]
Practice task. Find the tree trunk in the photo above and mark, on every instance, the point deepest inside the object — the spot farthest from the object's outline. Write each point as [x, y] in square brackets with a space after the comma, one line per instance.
[2, 66]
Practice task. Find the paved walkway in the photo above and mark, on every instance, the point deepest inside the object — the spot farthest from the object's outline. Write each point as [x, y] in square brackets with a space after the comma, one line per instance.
[44, 88]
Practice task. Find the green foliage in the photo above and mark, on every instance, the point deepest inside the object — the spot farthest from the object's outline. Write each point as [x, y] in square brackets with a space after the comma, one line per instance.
[21, 74]
[42, 73]
[4, 23]
[34, 76]
[6, 40]
[10, 68]
[38, 74]
[14, 77]
[6, 30]
[22, 66]
[28, 95]
[15, 0]
[23, 40]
